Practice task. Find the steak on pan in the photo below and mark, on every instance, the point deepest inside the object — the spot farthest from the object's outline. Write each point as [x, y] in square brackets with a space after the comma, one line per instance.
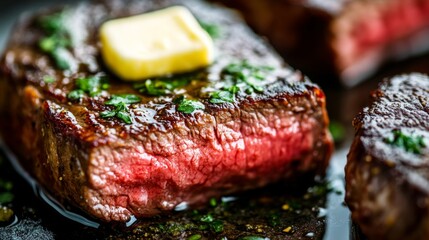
[346, 38]
[117, 150]
[387, 173]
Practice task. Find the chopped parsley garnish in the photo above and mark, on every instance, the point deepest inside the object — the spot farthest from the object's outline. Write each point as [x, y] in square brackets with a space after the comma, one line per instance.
[162, 86]
[215, 225]
[6, 195]
[213, 202]
[412, 144]
[195, 237]
[57, 39]
[224, 95]
[212, 29]
[48, 79]
[89, 85]
[120, 104]
[242, 76]
[188, 106]
[254, 238]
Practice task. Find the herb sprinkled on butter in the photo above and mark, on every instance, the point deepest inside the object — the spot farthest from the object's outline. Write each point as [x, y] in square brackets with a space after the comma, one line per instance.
[92, 86]
[188, 106]
[409, 143]
[120, 104]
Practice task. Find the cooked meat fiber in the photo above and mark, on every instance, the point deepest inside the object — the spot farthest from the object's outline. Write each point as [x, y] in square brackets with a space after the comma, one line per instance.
[387, 173]
[347, 38]
[113, 170]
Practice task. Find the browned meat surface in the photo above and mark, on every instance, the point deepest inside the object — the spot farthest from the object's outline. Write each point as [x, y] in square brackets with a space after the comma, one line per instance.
[387, 173]
[346, 38]
[114, 170]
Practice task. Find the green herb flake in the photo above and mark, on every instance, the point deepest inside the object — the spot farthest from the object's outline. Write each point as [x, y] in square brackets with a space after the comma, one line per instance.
[120, 104]
[243, 77]
[212, 29]
[206, 218]
[48, 79]
[162, 86]
[53, 23]
[213, 202]
[88, 85]
[409, 143]
[56, 40]
[120, 100]
[337, 130]
[246, 73]
[124, 116]
[224, 95]
[216, 226]
[6, 197]
[76, 95]
[188, 106]
[253, 238]
[195, 237]
[6, 185]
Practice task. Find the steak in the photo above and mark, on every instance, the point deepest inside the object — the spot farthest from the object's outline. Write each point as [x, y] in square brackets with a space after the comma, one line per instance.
[151, 155]
[348, 39]
[387, 173]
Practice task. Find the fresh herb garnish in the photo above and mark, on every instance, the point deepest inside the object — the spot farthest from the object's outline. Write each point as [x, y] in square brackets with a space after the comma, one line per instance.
[188, 106]
[212, 29]
[254, 238]
[48, 79]
[89, 85]
[215, 225]
[195, 237]
[226, 94]
[57, 39]
[6, 195]
[121, 103]
[412, 144]
[242, 76]
[243, 72]
[213, 202]
[162, 86]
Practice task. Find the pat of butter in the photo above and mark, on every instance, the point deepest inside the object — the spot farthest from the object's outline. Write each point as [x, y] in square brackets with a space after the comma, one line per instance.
[153, 44]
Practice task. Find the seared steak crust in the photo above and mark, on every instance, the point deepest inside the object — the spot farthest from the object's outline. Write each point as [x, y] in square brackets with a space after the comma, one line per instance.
[387, 187]
[114, 170]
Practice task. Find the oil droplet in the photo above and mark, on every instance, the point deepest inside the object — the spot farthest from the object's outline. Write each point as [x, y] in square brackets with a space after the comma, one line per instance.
[322, 213]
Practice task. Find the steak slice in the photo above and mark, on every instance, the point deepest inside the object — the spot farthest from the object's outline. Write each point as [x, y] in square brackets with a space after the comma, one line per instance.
[387, 173]
[113, 170]
[346, 38]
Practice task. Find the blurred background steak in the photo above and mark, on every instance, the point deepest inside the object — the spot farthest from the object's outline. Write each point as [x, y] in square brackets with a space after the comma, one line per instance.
[348, 39]
[387, 173]
[113, 170]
